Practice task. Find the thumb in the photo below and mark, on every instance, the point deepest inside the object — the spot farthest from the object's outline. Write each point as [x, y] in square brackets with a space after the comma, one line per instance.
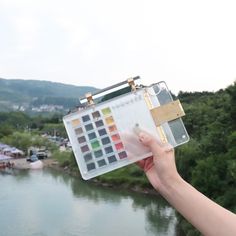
[148, 140]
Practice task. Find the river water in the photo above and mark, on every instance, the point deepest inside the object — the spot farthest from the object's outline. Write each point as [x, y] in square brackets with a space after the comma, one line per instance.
[50, 203]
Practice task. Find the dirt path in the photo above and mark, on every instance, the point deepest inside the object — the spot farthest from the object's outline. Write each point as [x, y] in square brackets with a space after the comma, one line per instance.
[23, 164]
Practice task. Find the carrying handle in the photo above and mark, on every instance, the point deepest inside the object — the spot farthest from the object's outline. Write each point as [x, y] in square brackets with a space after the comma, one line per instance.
[102, 92]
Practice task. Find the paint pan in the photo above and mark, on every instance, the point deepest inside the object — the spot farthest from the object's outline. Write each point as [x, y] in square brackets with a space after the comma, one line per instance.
[106, 111]
[98, 153]
[92, 135]
[108, 149]
[85, 118]
[115, 137]
[89, 127]
[91, 166]
[79, 131]
[106, 140]
[112, 159]
[109, 120]
[101, 163]
[122, 155]
[102, 132]
[84, 148]
[81, 139]
[96, 115]
[112, 128]
[119, 146]
[99, 123]
[88, 157]
[95, 144]
[75, 122]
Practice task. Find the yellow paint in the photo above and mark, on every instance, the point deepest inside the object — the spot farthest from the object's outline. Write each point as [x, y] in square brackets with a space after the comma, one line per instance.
[75, 122]
[109, 120]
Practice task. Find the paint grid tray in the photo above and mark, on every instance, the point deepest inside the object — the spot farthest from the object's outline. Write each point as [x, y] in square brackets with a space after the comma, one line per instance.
[102, 135]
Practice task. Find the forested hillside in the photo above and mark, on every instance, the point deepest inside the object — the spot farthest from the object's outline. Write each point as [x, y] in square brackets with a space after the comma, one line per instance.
[208, 161]
[30, 95]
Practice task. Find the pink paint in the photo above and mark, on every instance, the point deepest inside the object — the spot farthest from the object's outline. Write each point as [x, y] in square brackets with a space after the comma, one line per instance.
[119, 146]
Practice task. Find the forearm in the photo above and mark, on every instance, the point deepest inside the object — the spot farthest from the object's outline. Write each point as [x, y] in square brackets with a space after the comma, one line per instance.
[208, 217]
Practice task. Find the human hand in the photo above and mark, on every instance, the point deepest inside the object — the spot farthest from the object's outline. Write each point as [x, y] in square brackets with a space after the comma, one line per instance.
[159, 168]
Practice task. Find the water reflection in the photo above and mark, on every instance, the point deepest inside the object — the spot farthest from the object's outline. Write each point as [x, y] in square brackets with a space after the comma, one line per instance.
[20, 175]
[159, 215]
[58, 204]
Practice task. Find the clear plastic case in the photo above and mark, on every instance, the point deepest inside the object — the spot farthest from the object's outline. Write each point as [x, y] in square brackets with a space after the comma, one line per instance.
[102, 135]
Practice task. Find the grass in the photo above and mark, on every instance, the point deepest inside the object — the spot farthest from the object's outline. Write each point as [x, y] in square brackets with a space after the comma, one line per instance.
[130, 176]
[65, 159]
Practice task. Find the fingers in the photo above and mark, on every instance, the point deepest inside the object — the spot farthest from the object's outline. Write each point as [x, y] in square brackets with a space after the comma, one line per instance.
[146, 164]
[168, 148]
[151, 142]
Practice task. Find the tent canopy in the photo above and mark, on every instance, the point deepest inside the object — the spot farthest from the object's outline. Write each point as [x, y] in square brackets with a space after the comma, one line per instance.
[4, 158]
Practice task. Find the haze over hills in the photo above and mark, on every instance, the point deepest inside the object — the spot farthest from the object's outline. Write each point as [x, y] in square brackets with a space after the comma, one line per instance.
[34, 96]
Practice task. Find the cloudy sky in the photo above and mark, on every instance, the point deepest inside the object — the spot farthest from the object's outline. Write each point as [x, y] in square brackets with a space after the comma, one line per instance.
[189, 44]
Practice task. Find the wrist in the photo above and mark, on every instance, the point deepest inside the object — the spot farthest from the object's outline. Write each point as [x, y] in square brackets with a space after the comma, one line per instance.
[170, 184]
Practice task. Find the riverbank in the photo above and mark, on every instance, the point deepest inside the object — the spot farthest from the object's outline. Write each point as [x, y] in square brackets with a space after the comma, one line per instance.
[22, 164]
[129, 178]
[119, 179]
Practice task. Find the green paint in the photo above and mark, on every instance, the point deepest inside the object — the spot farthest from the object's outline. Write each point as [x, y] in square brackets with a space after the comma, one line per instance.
[95, 144]
[106, 111]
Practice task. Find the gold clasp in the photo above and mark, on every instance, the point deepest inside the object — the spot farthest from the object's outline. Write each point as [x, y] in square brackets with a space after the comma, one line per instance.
[131, 84]
[89, 98]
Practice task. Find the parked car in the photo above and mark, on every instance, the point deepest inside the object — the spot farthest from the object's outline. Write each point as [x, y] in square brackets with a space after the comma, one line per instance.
[41, 154]
[32, 158]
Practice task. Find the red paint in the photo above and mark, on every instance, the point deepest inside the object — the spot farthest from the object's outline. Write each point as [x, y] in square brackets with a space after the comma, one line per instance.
[119, 146]
[115, 137]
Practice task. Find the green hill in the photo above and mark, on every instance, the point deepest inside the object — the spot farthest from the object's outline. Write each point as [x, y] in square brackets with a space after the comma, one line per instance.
[31, 95]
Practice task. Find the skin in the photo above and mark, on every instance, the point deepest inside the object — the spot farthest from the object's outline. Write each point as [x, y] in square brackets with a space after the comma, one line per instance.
[204, 214]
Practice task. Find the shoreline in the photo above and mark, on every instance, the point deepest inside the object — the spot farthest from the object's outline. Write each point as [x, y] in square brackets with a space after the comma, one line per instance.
[50, 163]
[22, 164]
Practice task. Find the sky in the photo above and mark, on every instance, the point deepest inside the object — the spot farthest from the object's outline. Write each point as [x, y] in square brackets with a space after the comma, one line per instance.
[189, 44]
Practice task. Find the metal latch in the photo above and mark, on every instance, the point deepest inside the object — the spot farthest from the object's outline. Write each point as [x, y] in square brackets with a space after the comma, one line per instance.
[89, 98]
[132, 84]
[167, 112]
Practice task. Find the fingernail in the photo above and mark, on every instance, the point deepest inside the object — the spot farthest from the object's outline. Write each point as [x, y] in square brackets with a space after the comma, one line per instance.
[142, 136]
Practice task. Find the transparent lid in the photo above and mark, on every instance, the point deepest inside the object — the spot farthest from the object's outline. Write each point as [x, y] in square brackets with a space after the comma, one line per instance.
[102, 135]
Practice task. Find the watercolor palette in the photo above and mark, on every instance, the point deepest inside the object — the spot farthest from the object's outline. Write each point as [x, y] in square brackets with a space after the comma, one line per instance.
[102, 135]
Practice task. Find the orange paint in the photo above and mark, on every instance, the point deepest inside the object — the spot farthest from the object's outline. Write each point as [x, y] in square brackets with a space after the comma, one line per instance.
[115, 137]
[112, 128]
[75, 122]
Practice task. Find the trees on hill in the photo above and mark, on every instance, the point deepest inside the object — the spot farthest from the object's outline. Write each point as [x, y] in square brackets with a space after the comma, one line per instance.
[208, 161]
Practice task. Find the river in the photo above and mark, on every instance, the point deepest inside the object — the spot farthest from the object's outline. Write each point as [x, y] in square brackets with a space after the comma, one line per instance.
[51, 203]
